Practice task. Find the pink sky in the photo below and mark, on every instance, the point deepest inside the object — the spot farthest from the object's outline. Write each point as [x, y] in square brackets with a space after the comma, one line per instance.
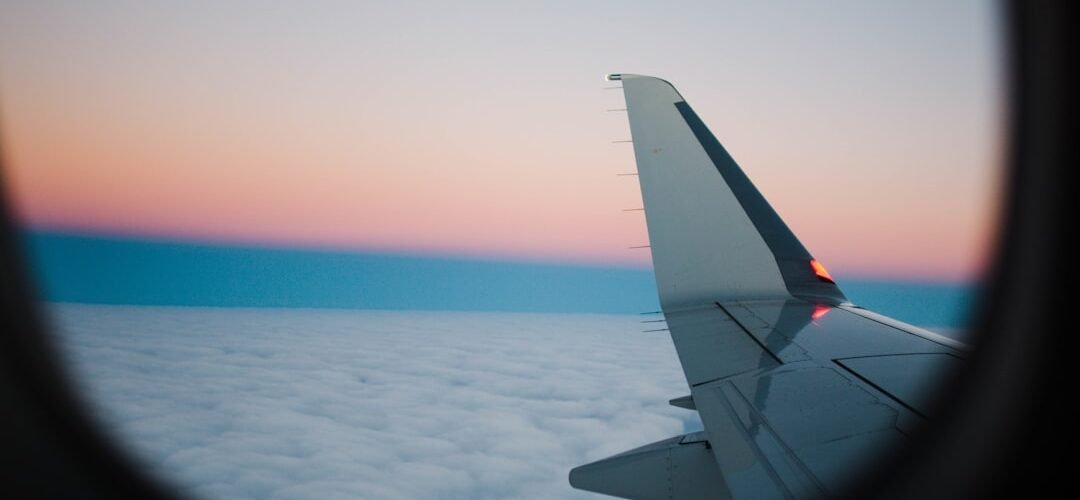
[482, 132]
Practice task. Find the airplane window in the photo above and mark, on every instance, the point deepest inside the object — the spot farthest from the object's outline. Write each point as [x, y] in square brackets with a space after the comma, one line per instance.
[425, 251]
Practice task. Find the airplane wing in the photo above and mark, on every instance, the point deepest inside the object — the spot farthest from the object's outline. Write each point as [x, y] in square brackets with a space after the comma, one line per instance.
[796, 387]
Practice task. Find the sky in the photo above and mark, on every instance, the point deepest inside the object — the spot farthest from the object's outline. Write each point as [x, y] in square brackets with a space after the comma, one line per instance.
[479, 130]
[444, 154]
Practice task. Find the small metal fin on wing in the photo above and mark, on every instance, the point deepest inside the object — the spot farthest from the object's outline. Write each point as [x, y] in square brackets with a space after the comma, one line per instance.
[684, 402]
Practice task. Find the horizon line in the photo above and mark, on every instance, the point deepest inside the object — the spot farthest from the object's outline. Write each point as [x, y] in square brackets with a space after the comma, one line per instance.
[411, 253]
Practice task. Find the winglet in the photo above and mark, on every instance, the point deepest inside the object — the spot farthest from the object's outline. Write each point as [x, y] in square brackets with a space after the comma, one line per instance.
[713, 235]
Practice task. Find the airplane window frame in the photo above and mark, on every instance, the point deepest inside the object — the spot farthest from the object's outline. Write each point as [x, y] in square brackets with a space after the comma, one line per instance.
[995, 418]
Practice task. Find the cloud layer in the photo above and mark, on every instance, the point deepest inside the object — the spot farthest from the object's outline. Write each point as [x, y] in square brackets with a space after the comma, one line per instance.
[289, 403]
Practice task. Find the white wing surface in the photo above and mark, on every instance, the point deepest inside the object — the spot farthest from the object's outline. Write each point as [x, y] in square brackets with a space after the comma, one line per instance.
[796, 387]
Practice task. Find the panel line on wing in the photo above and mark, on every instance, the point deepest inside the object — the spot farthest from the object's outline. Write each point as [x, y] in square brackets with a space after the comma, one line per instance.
[839, 362]
[770, 438]
[753, 337]
[906, 328]
[743, 463]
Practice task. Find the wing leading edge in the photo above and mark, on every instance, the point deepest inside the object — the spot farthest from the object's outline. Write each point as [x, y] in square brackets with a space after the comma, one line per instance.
[796, 387]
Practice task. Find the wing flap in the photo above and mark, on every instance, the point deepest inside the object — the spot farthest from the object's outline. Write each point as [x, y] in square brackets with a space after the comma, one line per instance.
[679, 467]
[812, 426]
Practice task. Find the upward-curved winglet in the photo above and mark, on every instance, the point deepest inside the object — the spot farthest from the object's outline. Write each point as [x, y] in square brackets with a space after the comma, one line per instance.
[713, 235]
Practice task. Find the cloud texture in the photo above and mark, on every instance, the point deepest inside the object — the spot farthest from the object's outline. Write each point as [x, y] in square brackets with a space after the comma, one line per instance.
[291, 403]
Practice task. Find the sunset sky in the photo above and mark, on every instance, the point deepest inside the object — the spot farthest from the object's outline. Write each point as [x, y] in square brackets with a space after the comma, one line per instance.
[480, 129]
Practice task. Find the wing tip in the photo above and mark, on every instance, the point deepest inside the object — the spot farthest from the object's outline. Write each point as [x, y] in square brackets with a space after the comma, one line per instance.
[618, 77]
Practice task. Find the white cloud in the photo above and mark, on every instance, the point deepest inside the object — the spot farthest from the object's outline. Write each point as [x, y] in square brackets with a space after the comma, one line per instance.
[286, 403]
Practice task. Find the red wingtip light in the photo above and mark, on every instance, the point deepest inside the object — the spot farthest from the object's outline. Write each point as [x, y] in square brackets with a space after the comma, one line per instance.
[820, 271]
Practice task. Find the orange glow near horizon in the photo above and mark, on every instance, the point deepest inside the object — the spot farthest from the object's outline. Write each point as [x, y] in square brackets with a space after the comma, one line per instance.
[485, 137]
